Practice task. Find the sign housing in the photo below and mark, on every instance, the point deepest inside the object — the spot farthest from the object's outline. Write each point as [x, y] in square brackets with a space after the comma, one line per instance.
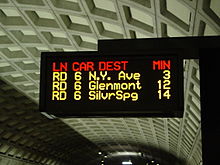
[116, 84]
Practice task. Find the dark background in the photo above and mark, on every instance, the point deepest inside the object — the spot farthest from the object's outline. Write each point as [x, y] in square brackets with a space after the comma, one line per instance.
[148, 101]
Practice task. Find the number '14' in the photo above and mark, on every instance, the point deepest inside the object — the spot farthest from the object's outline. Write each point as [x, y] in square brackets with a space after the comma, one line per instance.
[166, 94]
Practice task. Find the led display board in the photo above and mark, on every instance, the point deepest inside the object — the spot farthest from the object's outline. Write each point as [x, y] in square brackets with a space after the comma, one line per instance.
[92, 84]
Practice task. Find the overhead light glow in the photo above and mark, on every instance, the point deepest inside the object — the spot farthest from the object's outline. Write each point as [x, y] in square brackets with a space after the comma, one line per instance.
[127, 163]
[126, 154]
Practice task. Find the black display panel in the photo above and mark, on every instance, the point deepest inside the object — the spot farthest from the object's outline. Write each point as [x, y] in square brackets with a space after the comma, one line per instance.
[92, 84]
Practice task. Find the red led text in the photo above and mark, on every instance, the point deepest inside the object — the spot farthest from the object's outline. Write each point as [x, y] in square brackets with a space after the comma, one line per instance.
[61, 67]
[112, 65]
[161, 64]
[83, 66]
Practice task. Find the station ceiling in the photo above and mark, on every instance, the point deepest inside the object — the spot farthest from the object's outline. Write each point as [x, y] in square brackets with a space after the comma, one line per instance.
[29, 27]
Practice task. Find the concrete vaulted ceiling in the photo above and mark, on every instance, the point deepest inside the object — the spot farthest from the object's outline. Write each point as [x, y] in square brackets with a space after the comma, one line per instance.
[29, 27]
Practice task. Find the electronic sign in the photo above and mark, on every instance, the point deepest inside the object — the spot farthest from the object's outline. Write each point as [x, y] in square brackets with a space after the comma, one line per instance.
[93, 84]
